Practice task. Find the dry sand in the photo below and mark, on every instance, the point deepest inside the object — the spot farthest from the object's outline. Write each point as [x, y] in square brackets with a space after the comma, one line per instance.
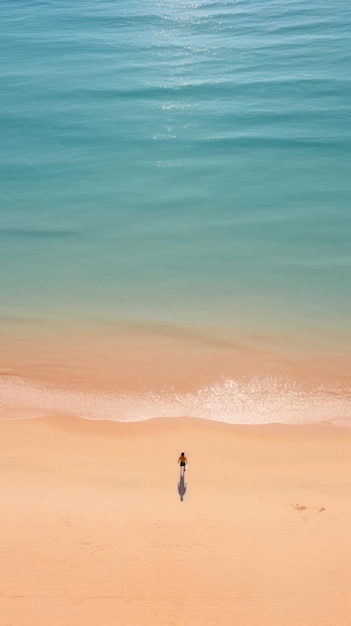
[93, 531]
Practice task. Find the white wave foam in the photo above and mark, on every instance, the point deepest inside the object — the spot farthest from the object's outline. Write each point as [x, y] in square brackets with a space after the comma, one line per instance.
[258, 401]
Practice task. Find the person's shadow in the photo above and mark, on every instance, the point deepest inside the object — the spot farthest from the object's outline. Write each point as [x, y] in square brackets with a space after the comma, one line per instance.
[181, 488]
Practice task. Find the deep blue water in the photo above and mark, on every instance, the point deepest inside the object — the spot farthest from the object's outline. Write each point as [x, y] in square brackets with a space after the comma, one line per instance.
[181, 162]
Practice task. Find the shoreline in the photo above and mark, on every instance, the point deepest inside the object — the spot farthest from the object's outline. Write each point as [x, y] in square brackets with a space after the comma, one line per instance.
[271, 429]
[135, 373]
[253, 401]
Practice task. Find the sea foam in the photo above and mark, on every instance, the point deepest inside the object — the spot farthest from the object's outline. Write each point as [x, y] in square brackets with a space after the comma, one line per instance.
[256, 401]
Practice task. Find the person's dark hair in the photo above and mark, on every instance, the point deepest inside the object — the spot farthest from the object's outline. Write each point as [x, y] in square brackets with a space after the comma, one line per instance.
[182, 454]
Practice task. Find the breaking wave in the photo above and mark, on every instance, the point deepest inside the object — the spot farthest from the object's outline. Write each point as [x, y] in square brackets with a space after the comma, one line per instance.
[257, 401]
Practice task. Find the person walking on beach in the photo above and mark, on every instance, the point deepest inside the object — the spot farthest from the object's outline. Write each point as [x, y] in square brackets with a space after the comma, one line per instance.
[182, 462]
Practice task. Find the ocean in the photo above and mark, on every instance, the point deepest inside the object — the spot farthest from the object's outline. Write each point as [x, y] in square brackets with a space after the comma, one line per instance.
[175, 215]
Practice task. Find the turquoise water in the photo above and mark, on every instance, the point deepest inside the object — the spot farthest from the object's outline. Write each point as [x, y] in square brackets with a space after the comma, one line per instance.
[185, 162]
[177, 162]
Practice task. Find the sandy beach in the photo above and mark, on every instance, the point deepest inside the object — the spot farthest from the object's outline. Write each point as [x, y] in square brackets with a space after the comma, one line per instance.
[93, 529]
